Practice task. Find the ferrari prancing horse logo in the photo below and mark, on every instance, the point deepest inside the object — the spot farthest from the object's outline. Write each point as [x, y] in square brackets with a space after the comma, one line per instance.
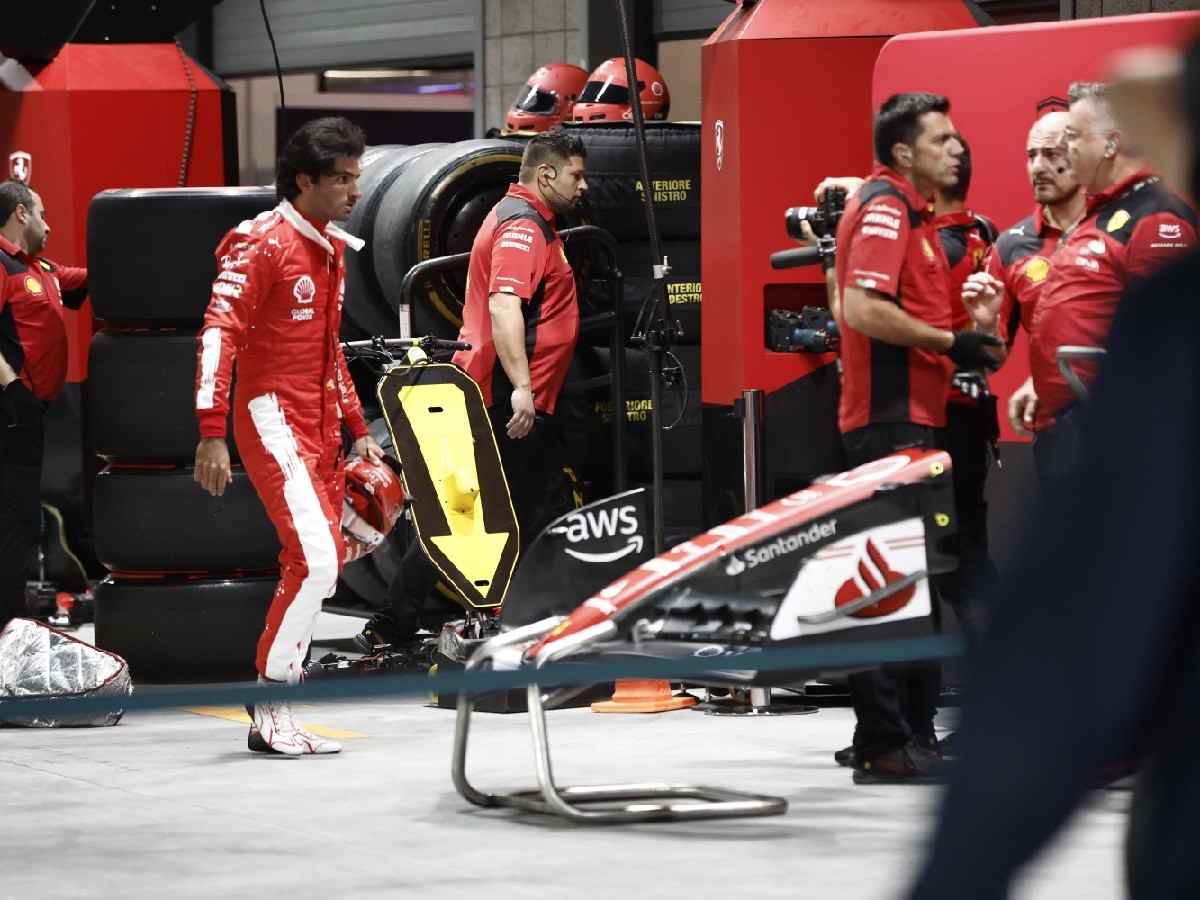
[20, 166]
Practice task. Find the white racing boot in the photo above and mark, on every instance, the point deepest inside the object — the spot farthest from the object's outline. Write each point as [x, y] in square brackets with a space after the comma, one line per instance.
[273, 730]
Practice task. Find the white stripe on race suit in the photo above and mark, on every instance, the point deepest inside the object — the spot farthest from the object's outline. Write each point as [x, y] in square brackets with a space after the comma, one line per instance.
[210, 361]
[286, 654]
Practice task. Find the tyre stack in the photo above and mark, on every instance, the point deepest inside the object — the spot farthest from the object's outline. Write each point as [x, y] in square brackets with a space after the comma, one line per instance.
[614, 202]
[192, 575]
[419, 203]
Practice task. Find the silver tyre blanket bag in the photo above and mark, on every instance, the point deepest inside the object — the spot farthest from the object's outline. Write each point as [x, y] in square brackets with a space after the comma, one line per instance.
[40, 662]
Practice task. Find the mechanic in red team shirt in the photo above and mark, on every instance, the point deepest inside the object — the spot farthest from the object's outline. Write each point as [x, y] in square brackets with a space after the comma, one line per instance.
[897, 351]
[33, 369]
[276, 308]
[521, 318]
[971, 426]
[1020, 259]
[1131, 228]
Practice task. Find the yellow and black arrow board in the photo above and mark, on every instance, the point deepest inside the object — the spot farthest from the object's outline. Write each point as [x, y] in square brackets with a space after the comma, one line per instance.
[452, 472]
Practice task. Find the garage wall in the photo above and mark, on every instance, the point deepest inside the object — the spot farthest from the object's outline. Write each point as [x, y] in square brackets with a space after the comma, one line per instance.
[314, 34]
[682, 18]
[519, 36]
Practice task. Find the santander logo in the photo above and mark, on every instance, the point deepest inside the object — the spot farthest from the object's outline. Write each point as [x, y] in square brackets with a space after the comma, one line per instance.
[874, 571]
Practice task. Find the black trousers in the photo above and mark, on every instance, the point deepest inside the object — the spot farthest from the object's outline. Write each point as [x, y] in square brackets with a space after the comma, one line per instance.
[533, 467]
[21, 444]
[971, 429]
[1057, 449]
[895, 703]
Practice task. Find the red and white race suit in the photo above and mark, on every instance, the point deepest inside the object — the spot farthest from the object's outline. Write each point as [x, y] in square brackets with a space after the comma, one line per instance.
[276, 308]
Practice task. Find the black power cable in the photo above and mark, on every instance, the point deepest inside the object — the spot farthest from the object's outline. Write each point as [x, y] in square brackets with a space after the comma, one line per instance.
[652, 329]
[262, 4]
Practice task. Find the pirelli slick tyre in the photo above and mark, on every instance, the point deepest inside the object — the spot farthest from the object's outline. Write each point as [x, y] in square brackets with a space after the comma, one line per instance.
[435, 209]
[614, 196]
[160, 520]
[140, 395]
[181, 629]
[587, 425]
[177, 229]
[366, 313]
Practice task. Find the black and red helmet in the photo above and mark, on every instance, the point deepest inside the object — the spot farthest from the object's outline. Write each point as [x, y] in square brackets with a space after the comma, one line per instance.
[606, 97]
[547, 98]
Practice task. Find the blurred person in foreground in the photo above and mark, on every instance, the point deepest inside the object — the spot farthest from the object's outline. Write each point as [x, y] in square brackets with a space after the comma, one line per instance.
[1109, 624]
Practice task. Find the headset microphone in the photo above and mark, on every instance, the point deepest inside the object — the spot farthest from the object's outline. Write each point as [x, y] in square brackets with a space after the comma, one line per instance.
[556, 191]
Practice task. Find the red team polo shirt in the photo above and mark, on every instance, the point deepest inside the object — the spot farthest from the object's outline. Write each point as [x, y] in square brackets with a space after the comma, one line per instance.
[517, 251]
[33, 334]
[1021, 260]
[890, 246]
[966, 239]
[1128, 232]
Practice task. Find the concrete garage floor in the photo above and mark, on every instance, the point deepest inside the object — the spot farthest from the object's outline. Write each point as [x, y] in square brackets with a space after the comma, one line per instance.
[172, 804]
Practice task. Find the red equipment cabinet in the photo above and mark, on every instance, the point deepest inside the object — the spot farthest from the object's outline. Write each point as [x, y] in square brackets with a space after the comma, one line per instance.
[113, 115]
[787, 100]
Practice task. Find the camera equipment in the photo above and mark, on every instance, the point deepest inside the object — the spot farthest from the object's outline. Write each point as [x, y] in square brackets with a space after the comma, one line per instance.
[823, 220]
[812, 330]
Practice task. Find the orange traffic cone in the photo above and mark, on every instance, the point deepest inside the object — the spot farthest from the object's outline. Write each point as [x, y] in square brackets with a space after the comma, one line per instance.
[641, 696]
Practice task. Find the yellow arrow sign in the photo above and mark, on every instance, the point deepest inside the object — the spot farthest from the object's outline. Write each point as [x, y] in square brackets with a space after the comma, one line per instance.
[438, 415]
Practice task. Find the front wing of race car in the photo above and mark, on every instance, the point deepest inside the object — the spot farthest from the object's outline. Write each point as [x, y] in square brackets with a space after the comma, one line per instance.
[847, 559]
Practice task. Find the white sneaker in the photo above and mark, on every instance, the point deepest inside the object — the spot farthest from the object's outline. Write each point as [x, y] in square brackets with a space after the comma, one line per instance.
[273, 730]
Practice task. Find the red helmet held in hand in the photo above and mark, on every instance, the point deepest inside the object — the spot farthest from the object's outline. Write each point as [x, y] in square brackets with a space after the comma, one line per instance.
[547, 98]
[605, 97]
[373, 502]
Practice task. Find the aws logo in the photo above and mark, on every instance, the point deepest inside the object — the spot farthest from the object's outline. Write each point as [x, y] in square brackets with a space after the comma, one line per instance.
[603, 525]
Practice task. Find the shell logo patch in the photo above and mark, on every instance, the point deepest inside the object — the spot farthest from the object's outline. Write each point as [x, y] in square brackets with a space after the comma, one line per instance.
[305, 290]
[1037, 269]
[1118, 221]
[33, 285]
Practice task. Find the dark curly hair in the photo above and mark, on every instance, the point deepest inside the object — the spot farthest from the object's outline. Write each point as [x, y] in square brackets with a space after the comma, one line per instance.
[314, 149]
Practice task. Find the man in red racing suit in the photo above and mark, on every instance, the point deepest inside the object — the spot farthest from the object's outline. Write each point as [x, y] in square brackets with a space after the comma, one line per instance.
[276, 308]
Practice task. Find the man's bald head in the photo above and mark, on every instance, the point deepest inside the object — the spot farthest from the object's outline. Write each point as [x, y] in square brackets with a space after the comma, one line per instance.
[1049, 168]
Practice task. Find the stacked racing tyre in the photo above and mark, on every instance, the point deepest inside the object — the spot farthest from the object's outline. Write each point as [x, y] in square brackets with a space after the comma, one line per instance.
[368, 311]
[191, 575]
[614, 203]
[434, 209]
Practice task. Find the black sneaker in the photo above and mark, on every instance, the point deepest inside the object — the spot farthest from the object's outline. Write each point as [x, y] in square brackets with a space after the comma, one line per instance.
[909, 764]
[847, 756]
[380, 633]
